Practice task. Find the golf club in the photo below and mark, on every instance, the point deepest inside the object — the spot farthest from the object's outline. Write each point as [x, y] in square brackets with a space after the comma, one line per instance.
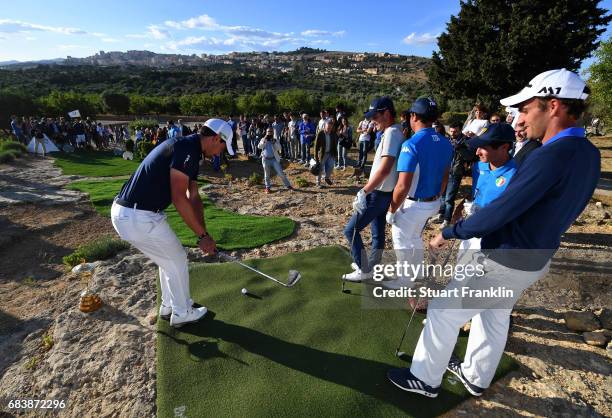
[293, 277]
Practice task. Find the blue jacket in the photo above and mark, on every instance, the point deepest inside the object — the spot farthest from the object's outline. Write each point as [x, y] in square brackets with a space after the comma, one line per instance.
[542, 200]
[307, 132]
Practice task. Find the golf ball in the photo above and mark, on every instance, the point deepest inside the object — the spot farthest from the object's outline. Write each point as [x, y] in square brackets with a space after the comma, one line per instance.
[244, 291]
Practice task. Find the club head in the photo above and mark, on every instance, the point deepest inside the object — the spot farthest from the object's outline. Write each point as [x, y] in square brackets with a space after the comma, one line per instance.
[293, 278]
[399, 353]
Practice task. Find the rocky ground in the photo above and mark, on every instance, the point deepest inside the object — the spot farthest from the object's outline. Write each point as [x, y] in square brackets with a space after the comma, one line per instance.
[103, 364]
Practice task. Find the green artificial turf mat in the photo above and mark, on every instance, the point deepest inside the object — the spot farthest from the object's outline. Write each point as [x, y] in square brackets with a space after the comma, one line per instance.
[229, 229]
[304, 351]
[94, 164]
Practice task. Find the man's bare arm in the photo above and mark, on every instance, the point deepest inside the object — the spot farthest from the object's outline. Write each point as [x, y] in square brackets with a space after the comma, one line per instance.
[179, 186]
[400, 193]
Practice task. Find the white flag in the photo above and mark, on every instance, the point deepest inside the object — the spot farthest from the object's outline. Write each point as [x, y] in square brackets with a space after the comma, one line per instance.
[74, 114]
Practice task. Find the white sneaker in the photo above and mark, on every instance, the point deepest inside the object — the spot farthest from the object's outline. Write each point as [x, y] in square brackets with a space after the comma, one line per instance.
[192, 315]
[166, 311]
[357, 276]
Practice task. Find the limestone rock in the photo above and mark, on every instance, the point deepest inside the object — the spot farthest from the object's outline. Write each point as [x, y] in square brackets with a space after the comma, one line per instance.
[595, 338]
[605, 318]
[581, 321]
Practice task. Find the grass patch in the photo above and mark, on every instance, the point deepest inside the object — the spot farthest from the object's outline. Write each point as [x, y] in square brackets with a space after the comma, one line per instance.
[301, 182]
[100, 249]
[306, 351]
[94, 164]
[231, 230]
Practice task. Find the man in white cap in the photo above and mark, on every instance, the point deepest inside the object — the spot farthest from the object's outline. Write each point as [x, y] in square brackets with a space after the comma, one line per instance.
[169, 175]
[520, 230]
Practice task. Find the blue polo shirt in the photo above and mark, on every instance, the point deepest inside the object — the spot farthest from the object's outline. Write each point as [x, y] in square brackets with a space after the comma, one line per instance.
[428, 155]
[544, 197]
[149, 186]
[489, 184]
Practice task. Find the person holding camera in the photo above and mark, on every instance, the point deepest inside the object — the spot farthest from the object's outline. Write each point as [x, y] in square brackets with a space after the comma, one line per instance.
[270, 158]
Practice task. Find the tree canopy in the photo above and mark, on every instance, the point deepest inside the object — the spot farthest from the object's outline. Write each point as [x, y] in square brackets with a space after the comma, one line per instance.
[492, 48]
[600, 82]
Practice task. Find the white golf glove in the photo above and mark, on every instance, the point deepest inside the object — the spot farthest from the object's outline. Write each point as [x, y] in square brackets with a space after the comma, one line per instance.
[360, 203]
[391, 217]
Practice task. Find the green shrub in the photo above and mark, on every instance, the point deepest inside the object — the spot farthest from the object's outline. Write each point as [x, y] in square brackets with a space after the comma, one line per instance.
[254, 179]
[301, 182]
[8, 156]
[144, 148]
[100, 249]
[143, 123]
[450, 118]
[13, 146]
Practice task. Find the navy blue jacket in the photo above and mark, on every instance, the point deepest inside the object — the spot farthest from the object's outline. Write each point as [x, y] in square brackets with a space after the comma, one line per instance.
[544, 197]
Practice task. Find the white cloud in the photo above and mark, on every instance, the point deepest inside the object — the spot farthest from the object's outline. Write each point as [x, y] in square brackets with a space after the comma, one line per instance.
[423, 39]
[13, 26]
[199, 22]
[313, 33]
[69, 47]
[157, 32]
[320, 42]
[110, 40]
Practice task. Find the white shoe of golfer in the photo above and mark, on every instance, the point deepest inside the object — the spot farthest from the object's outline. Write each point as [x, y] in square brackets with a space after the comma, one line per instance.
[357, 276]
[166, 311]
[192, 315]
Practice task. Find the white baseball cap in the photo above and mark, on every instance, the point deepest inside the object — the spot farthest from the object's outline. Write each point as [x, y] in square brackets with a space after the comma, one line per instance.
[561, 83]
[224, 130]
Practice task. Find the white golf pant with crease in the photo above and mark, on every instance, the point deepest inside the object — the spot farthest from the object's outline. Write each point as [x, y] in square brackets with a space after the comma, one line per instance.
[151, 234]
[488, 332]
[406, 233]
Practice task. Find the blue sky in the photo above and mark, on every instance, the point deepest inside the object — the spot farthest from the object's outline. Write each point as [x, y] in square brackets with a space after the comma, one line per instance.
[50, 29]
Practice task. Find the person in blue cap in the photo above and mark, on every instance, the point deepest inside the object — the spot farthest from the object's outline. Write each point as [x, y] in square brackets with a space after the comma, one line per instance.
[521, 231]
[491, 175]
[423, 166]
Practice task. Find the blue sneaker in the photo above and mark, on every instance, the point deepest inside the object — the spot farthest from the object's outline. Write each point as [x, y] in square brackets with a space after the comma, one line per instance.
[403, 379]
[454, 366]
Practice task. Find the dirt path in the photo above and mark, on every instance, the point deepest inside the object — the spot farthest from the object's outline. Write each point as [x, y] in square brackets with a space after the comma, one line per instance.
[103, 364]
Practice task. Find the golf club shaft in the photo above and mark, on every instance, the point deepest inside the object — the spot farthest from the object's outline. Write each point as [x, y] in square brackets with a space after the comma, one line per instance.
[252, 269]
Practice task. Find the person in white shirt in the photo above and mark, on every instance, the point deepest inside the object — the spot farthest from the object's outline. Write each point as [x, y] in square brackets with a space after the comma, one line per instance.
[477, 125]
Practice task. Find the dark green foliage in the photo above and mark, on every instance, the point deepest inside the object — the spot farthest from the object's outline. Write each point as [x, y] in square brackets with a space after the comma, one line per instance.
[600, 81]
[143, 149]
[450, 118]
[100, 249]
[494, 47]
[115, 103]
[14, 146]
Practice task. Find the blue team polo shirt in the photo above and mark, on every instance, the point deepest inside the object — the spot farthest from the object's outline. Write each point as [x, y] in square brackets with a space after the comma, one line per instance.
[489, 184]
[428, 155]
[149, 186]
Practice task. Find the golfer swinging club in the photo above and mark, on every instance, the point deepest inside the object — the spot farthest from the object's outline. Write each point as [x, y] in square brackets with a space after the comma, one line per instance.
[169, 175]
[520, 230]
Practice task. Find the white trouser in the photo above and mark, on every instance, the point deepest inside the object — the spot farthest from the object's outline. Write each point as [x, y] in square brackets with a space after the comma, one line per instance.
[488, 332]
[151, 234]
[406, 233]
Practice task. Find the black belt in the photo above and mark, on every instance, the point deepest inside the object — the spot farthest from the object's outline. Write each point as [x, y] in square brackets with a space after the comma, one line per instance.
[427, 199]
[134, 205]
